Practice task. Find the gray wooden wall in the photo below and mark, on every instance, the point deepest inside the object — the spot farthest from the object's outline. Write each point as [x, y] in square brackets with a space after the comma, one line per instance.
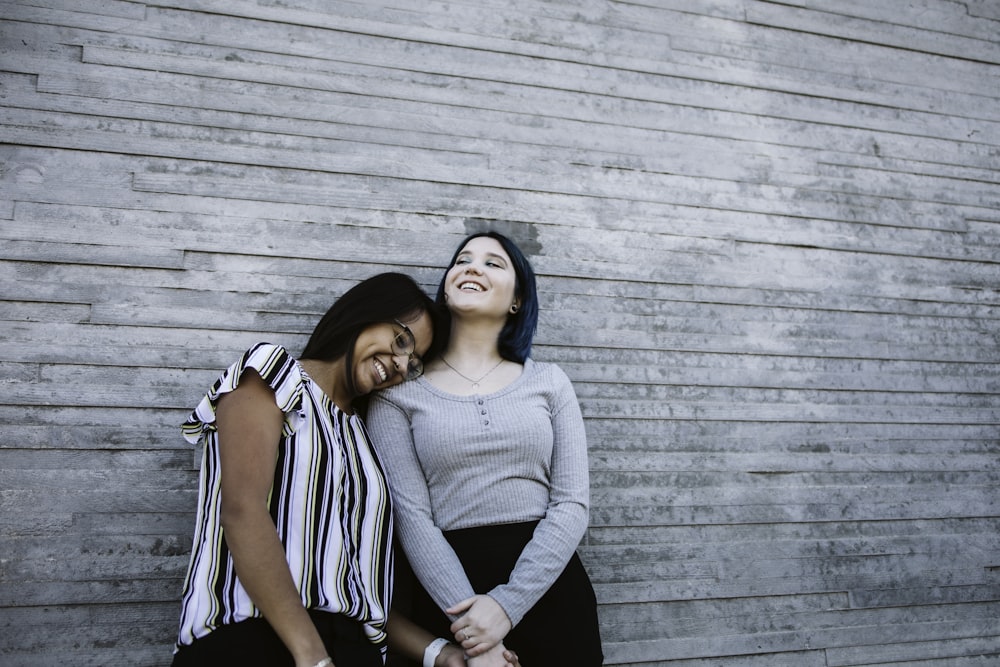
[768, 240]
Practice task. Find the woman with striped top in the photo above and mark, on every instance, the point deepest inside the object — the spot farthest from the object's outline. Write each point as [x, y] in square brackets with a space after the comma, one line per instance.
[292, 555]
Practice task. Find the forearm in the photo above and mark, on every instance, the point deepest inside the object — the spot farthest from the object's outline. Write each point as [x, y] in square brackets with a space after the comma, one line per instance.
[262, 569]
[566, 513]
[411, 640]
[433, 560]
[542, 560]
[407, 637]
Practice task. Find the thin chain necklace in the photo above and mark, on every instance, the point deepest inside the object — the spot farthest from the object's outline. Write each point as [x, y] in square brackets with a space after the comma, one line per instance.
[475, 383]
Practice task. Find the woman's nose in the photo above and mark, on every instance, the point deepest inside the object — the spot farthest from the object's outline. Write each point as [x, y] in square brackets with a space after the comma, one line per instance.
[400, 361]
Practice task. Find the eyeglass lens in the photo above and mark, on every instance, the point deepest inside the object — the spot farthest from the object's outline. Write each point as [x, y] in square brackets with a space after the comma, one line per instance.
[404, 343]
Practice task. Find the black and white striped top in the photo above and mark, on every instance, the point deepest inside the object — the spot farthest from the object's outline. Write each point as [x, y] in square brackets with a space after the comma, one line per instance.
[329, 502]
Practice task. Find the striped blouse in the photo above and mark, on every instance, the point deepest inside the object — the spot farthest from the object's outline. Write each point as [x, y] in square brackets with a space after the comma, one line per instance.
[329, 502]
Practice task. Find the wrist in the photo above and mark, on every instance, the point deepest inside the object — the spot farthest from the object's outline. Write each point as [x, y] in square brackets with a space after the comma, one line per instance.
[433, 650]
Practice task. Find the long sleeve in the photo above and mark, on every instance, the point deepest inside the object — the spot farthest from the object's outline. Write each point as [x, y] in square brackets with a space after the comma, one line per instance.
[559, 532]
[431, 557]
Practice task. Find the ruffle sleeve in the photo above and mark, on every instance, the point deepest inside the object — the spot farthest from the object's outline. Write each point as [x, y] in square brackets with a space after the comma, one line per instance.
[276, 367]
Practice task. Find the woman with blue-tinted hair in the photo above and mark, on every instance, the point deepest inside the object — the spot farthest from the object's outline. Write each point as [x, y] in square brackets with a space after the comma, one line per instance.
[486, 458]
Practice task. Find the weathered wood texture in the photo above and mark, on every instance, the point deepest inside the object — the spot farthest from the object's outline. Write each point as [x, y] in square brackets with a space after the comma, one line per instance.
[768, 240]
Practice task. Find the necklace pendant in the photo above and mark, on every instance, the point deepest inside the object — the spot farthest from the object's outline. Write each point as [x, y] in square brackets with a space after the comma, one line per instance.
[473, 381]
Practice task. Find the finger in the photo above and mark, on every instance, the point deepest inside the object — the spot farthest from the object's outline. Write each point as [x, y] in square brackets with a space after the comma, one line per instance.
[474, 647]
[461, 607]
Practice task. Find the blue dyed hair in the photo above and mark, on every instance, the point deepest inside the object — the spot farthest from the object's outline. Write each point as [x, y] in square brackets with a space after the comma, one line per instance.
[515, 338]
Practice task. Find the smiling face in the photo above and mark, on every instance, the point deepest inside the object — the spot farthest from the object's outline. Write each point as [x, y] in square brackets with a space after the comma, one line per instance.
[376, 366]
[482, 279]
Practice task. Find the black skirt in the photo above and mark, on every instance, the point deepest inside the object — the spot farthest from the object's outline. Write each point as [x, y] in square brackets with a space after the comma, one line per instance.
[561, 629]
[253, 643]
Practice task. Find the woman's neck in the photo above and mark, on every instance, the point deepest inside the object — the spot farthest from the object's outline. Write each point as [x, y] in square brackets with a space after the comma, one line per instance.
[473, 345]
[330, 377]
[472, 364]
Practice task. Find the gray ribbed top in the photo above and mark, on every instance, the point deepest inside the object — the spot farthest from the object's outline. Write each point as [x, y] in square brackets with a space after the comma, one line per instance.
[519, 454]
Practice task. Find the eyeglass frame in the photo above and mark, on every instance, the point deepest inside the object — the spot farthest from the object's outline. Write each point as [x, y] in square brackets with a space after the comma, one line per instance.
[414, 364]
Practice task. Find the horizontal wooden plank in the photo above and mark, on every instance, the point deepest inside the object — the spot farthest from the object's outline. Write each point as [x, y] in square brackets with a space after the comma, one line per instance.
[122, 591]
[723, 536]
[978, 592]
[936, 17]
[798, 55]
[903, 37]
[739, 590]
[147, 497]
[69, 15]
[635, 513]
[84, 253]
[46, 631]
[782, 462]
[978, 650]
[106, 8]
[791, 413]
[786, 659]
[740, 622]
[151, 459]
[113, 568]
[983, 8]
[103, 482]
[98, 654]
[780, 640]
[58, 522]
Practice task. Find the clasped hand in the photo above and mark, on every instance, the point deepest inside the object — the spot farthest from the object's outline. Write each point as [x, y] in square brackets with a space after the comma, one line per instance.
[482, 623]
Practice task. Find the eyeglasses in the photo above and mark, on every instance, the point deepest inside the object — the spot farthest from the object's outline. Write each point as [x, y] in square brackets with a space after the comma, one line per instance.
[404, 344]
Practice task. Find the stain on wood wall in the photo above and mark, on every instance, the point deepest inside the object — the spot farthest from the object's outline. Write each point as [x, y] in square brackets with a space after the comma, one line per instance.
[768, 240]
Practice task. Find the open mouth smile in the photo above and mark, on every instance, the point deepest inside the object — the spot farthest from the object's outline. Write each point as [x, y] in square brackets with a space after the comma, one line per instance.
[380, 369]
[473, 287]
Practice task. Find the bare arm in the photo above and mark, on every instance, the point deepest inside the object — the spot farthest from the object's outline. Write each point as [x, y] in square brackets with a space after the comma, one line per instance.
[410, 639]
[249, 425]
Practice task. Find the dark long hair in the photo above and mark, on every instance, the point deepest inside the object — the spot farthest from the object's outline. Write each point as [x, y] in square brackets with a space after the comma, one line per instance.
[514, 341]
[382, 298]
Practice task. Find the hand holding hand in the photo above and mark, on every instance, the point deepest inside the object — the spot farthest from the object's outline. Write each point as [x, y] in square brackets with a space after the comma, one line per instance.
[482, 625]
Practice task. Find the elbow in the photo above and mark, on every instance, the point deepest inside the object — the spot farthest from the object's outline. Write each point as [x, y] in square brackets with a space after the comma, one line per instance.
[235, 513]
